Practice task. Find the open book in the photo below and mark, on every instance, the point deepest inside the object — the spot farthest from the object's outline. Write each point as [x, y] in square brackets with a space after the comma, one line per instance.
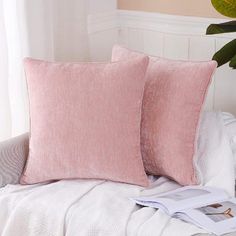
[206, 207]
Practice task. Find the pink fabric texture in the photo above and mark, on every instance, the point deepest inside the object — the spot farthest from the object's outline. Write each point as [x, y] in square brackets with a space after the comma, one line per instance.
[173, 98]
[85, 121]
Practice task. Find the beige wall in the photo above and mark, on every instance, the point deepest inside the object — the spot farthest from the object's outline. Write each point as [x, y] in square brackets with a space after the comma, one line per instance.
[201, 8]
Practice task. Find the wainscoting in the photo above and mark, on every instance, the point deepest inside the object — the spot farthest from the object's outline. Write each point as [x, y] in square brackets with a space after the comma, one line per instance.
[174, 37]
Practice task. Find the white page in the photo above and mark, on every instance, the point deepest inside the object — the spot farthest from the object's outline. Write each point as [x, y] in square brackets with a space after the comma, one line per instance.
[183, 198]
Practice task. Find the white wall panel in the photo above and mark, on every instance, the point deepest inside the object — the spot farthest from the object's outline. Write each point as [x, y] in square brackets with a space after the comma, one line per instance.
[181, 38]
[176, 47]
[100, 49]
[174, 37]
[225, 85]
[153, 43]
[123, 36]
[135, 39]
[201, 48]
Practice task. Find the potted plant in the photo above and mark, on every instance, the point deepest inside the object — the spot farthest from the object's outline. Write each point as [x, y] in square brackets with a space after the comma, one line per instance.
[228, 52]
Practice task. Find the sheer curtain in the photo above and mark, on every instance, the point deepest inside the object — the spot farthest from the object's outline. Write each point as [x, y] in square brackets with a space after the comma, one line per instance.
[5, 116]
[44, 29]
[14, 109]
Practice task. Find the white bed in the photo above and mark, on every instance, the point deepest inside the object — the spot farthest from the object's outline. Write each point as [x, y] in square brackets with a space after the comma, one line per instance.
[91, 208]
[103, 208]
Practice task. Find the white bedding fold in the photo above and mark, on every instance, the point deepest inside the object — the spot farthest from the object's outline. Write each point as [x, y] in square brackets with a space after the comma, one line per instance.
[214, 153]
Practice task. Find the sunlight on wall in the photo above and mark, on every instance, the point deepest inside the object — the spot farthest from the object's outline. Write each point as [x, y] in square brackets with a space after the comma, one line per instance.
[202, 8]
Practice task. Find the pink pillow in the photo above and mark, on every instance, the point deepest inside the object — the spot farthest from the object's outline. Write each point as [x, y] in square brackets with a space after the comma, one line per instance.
[173, 99]
[85, 121]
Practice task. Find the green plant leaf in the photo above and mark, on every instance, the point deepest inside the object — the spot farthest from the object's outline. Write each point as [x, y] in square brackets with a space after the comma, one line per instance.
[233, 62]
[226, 53]
[226, 27]
[225, 7]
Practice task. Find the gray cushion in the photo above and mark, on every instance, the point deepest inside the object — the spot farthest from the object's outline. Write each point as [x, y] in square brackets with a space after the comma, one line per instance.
[13, 155]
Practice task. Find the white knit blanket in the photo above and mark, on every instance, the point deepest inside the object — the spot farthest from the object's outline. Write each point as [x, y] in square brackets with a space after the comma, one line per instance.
[80, 207]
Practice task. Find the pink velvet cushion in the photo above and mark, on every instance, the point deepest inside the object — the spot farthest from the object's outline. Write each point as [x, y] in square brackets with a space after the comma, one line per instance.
[173, 98]
[85, 121]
